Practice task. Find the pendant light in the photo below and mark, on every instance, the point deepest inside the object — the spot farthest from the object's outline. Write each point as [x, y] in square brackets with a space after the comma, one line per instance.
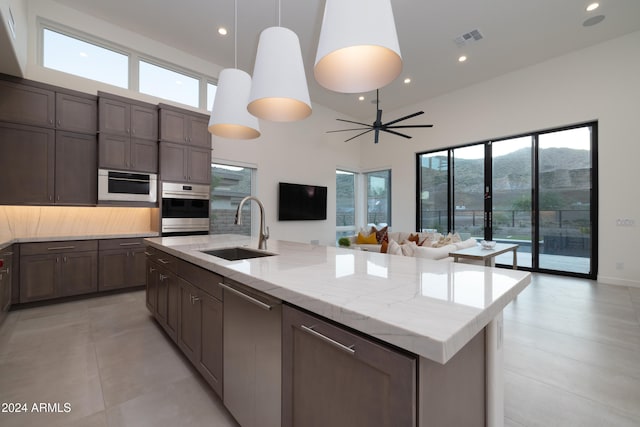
[279, 91]
[229, 115]
[358, 49]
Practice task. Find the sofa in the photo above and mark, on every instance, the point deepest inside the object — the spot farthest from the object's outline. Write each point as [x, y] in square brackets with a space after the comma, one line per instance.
[428, 245]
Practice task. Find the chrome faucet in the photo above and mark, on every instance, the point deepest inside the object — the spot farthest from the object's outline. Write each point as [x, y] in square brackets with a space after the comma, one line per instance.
[264, 231]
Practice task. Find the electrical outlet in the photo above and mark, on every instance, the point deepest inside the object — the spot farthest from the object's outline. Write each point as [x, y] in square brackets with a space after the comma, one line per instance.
[625, 222]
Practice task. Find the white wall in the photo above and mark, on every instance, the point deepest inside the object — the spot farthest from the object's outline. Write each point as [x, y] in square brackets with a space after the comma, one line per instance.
[13, 43]
[599, 83]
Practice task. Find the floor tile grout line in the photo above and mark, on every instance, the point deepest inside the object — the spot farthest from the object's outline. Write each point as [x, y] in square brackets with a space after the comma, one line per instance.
[615, 409]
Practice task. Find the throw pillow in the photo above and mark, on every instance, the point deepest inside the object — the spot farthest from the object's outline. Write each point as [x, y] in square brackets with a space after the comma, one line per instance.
[394, 248]
[384, 247]
[380, 233]
[408, 249]
[413, 238]
[366, 240]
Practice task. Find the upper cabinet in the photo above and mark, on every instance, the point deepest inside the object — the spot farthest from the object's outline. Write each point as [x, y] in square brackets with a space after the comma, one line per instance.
[36, 104]
[184, 127]
[127, 117]
[128, 134]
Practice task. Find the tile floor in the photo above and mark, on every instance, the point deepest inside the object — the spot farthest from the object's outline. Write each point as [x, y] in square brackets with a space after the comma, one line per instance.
[572, 358]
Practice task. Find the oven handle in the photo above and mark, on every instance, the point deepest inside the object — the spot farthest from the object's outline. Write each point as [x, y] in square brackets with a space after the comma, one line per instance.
[146, 181]
[201, 196]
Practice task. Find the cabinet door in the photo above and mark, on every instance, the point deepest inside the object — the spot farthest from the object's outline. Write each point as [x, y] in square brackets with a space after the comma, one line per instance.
[144, 155]
[114, 152]
[173, 126]
[173, 162]
[112, 270]
[332, 377]
[199, 170]
[76, 114]
[189, 321]
[210, 354]
[26, 104]
[114, 117]
[39, 277]
[152, 286]
[172, 307]
[5, 280]
[27, 161]
[76, 166]
[136, 271]
[199, 135]
[144, 122]
[79, 273]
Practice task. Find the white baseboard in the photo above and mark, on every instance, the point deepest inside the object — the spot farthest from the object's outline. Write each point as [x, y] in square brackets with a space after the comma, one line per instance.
[619, 282]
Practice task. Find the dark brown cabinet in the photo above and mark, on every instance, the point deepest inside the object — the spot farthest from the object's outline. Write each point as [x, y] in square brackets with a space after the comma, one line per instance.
[41, 166]
[27, 104]
[200, 321]
[184, 127]
[122, 264]
[151, 294]
[162, 290]
[123, 153]
[128, 134]
[183, 163]
[56, 269]
[6, 273]
[76, 113]
[333, 377]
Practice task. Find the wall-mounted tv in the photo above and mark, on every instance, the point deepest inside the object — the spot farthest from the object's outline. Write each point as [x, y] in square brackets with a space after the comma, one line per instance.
[297, 202]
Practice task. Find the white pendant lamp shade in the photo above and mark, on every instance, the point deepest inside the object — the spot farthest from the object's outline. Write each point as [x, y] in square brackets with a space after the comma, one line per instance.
[229, 115]
[279, 92]
[358, 50]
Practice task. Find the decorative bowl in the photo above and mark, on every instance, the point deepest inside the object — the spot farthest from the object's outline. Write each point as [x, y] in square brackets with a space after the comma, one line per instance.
[490, 244]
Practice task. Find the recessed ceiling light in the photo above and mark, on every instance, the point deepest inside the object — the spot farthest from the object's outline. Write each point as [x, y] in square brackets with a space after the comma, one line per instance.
[407, 81]
[361, 98]
[592, 7]
[462, 58]
[222, 31]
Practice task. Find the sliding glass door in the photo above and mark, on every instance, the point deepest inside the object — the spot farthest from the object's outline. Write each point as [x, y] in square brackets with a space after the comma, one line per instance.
[537, 191]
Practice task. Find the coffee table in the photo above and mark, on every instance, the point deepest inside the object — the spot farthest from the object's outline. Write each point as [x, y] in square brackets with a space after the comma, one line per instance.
[486, 255]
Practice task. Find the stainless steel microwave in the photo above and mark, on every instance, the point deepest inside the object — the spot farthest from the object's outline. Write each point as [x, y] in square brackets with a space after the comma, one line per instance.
[123, 186]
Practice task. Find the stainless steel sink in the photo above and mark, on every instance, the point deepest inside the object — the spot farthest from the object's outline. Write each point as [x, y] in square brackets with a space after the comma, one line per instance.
[237, 253]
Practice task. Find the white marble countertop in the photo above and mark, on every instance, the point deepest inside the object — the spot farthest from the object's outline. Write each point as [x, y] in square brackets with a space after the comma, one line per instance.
[430, 308]
[4, 244]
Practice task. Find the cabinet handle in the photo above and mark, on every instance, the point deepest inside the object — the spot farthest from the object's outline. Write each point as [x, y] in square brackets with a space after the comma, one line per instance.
[347, 349]
[194, 298]
[162, 277]
[64, 259]
[6, 254]
[151, 269]
[163, 261]
[128, 130]
[131, 244]
[247, 297]
[59, 122]
[6, 270]
[147, 253]
[133, 131]
[56, 248]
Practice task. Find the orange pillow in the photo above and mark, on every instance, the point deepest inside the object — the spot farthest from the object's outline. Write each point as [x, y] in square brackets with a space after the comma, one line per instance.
[366, 240]
[380, 233]
[384, 247]
[414, 238]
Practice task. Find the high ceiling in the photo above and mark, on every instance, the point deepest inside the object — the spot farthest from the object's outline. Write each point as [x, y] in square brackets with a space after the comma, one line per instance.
[516, 34]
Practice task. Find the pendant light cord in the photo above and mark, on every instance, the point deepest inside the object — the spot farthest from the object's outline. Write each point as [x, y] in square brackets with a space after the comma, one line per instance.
[235, 33]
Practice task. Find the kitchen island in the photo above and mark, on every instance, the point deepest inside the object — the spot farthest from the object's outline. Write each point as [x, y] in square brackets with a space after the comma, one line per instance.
[447, 315]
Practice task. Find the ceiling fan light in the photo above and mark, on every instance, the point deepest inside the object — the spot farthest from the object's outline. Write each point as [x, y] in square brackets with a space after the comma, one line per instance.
[358, 50]
[279, 91]
[229, 115]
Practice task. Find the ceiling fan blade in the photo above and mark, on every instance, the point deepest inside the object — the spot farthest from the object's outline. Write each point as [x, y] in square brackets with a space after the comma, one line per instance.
[350, 121]
[345, 130]
[397, 133]
[360, 134]
[404, 118]
[409, 126]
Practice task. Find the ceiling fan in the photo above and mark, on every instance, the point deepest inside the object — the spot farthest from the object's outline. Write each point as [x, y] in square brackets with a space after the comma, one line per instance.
[378, 126]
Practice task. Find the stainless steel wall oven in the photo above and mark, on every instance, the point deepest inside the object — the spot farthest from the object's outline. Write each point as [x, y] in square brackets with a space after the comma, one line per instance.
[185, 209]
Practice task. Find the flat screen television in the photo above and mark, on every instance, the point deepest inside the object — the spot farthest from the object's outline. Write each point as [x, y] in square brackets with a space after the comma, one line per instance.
[298, 202]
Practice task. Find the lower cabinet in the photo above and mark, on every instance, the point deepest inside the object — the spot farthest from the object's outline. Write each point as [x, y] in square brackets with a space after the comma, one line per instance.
[121, 264]
[334, 377]
[57, 269]
[167, 302]
[252, 356]
[200, 332]
[6, 269]
[151, 285]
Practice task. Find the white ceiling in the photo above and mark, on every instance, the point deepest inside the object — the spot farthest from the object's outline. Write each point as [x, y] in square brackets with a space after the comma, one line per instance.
[517, 33]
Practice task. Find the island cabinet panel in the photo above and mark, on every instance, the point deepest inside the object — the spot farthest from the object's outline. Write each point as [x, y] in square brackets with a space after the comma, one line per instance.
[57, 269]
[334, 377]
[167, 301]
[200, 321]
[252, 356]
[152, 286]
[122, 264]
[6, 273]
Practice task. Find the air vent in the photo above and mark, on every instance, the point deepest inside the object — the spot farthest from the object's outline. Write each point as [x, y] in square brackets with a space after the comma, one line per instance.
[471, 36]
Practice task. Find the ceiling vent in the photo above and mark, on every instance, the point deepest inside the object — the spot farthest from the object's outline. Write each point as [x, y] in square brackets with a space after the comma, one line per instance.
[466, 38]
